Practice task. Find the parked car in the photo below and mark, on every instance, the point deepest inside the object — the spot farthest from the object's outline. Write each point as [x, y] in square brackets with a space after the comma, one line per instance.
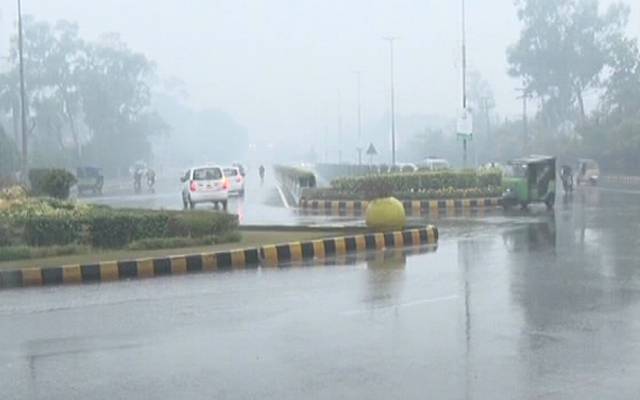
[236, 180]
[433, 164]
[89, 179]
[205, 184]
[407, 167]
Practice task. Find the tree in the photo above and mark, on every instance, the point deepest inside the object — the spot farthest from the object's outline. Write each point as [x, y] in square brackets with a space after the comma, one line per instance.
[622, 86]
[562, 52]
[81, 95]
[9, 161]
[116, 100]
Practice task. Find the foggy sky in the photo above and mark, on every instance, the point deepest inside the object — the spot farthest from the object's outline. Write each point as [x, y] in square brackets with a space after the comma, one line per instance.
[280, 67]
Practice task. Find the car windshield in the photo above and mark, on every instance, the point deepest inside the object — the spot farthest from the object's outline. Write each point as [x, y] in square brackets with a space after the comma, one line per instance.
[230, 172]
[207, 174]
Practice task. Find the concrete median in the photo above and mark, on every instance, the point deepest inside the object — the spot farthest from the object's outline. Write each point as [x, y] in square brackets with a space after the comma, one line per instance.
[266, 256]
[412, 207]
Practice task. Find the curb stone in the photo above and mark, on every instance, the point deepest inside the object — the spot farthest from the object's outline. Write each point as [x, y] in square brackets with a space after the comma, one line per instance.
[267, 256]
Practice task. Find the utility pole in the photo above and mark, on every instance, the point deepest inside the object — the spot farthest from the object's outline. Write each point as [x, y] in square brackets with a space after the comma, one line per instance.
[486, 105]
[525, 121]
[466, 133]
[339, 127]
[23, 106]
[391, 39]
[359, 94]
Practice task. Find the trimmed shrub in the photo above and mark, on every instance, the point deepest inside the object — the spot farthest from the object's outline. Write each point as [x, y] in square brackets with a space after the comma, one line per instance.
[114, 229]
[48, 230]
[420, 181]
[51, 182]
[200, 224]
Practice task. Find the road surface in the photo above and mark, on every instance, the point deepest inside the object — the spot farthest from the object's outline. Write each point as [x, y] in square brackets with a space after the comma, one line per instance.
[530, 305]
[261, 205]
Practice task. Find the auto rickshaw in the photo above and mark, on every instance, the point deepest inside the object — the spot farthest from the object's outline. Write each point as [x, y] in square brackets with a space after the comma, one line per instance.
[89, 179]
[588, 172]
[530, 180]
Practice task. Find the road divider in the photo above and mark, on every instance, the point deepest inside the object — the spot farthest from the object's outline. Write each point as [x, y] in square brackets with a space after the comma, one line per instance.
[266, 256]
[412, 207]
[621, 179]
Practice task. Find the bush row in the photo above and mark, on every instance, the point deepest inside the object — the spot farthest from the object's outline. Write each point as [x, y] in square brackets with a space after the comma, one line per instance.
[333, 171]
[431, 194]
[107, 228]
[420, 181]
[54, 183]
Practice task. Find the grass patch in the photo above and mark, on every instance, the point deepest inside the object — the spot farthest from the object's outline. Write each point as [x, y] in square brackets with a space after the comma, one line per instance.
[88, 255]
[178, 242]
[11, 253]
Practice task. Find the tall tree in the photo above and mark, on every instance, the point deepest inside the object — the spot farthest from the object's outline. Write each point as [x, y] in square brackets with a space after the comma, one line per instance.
[562, 52]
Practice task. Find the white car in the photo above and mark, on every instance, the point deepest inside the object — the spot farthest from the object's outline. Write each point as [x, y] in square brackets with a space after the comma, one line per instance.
[235, 179]
[205, 184]
[433, 164]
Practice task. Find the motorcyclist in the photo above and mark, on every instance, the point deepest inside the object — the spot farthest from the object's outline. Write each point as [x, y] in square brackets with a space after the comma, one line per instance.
[151, 178]
[261, 172]
[566, 175]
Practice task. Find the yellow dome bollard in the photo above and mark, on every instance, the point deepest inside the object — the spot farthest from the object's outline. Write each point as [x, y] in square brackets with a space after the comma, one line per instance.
[386, 214]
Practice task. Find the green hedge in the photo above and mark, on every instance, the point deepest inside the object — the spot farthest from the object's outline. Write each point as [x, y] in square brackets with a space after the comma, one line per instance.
[54, 183]
[434, 194]
[420, 181]
[107, 228]
[49, 230]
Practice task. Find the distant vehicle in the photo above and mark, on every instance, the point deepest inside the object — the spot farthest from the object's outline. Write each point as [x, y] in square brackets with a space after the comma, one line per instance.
[433, 164]
[236, 180]
[588, 172]
[406, 167]
[205, 184]
[89, 179]
[530, 180]
[243, 171]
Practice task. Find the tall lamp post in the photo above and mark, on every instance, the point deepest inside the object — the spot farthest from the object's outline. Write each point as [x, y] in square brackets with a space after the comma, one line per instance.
[359, 97]
[23, 105]
[391, 39]
[465, 124]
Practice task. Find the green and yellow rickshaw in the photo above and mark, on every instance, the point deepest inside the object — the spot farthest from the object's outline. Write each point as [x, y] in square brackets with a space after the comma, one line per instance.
[530, 180]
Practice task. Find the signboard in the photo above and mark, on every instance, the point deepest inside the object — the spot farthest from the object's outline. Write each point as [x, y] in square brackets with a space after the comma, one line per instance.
[465, 124]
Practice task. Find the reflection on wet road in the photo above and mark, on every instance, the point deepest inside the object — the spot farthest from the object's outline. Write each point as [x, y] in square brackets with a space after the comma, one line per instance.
[532, 305]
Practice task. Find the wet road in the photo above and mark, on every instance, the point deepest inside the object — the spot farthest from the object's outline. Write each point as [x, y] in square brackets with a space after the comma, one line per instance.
[523, 306]
[261, 204]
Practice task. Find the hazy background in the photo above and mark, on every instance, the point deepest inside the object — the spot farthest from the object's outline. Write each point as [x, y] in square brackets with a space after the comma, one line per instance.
[285, 69]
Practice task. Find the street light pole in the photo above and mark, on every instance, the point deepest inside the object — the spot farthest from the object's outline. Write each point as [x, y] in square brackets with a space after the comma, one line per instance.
[359, 90]
[391, 39]
[464, 80]
[23, 106]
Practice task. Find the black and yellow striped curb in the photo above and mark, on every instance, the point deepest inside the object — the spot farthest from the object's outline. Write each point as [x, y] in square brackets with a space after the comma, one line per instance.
[322, 248]
[412, 207]
[204, 262]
